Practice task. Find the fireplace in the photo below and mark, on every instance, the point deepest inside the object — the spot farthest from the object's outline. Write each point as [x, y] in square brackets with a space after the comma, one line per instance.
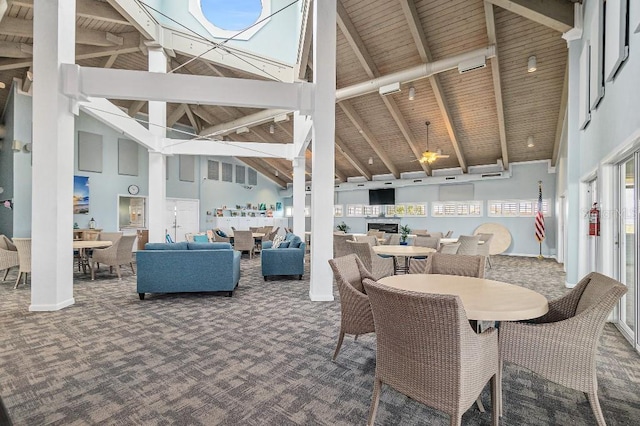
[390, 228]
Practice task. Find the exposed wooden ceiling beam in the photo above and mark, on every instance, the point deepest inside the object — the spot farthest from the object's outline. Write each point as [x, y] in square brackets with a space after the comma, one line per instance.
[351, 158]
[135, 108]
[88, 9]
[110, 61]
[131, 44]
[304, 49]
[368, 135]
[17, 27]
[357, 45]
[497, 84]
[176, 115]
[10, 49]
[342, 176]
[282, 171]
[192, 119]
[420, 39]
[284, 129]
[554, 14]
[561, 116]
[202, 112]
[27, 80]
[256, 164]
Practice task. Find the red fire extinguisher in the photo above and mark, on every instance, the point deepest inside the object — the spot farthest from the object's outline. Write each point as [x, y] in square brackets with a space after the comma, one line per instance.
[594, 221]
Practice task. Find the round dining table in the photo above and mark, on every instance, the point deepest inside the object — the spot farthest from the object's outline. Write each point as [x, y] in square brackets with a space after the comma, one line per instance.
[83, 245]
[483, 299]
[402, 251]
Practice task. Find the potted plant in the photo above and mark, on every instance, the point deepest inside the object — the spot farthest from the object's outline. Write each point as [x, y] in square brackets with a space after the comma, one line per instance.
[404, 233]
[343, 227]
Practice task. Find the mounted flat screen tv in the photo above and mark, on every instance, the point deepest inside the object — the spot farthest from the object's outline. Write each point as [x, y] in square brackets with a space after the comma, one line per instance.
[382, 196]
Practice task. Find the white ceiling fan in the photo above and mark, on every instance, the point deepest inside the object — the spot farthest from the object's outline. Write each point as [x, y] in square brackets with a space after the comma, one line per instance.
[431, 156]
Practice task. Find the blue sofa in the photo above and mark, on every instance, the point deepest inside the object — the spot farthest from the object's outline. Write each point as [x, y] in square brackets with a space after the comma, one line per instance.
[285, 260]
[187, 267]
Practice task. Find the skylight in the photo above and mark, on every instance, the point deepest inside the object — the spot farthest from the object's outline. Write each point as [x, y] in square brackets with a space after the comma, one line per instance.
[233, 16]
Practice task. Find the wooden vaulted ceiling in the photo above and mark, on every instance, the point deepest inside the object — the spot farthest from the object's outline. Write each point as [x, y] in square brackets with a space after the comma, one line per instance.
[478, 118]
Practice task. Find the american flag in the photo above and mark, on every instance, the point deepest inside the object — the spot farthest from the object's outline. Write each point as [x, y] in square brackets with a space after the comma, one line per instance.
[539, 222]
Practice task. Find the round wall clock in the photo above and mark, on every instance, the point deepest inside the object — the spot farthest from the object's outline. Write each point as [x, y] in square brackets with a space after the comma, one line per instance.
[134, 189]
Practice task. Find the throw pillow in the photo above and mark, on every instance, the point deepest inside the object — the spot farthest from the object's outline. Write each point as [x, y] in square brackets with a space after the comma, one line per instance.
[284, 244]
[221, 233]
[200, 239]
[277, 241]
[295, 242]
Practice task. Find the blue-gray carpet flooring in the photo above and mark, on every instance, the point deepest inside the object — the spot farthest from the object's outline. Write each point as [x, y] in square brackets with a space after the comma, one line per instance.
[261, 357]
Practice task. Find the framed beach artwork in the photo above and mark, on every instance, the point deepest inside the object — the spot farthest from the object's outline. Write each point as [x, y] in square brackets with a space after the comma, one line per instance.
[80, 195]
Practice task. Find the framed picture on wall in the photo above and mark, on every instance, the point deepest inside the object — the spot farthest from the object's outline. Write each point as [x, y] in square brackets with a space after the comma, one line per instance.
[80, 195]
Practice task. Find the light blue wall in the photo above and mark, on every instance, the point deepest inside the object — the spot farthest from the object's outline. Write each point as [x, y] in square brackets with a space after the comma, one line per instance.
[6, 167]
[278, 39]
[522, 185]
[106, 187]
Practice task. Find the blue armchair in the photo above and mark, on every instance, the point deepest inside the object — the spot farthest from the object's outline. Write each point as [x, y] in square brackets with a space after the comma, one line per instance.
[288, 259]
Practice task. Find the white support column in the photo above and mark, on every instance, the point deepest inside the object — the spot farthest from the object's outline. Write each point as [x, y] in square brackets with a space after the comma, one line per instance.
[54, 23]
[157, 161]
[298, 196]
[323, 165]
[575, 242]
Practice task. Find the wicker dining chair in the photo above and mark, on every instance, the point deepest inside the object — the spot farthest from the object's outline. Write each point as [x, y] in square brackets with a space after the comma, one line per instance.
[418, 264]
[371, 239]
[110, 236]
[468, 244]
[421, 232]
[217, 238]
[378, 266]
[393, 240]
[8, 255]
[425, 349]
[485, 247]
[435, 234]
[340, 246]
[449, 248]
[120, 253]
[448, 234]
[355, 311]
[23, 246]
[243, 241]
[455, 264]
[562, 345]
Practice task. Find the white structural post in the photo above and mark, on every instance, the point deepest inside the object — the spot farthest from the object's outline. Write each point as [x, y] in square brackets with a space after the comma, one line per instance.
[54, 23]
[157, 161]
[323, 140]
[572, 226]
[298, 196]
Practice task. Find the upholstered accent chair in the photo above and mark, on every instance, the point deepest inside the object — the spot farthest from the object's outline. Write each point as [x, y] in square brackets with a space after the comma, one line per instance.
[356, 317]
[243, 241]
[340, 246]
[378, 266]
[285, 259]
[120, 253]
[468, 244]
[8, 255]
[23, 246]
[425, 349]
[217, 238]
[562, 345]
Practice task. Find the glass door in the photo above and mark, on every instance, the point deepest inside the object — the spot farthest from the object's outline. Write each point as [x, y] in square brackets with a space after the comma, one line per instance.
[628, 199]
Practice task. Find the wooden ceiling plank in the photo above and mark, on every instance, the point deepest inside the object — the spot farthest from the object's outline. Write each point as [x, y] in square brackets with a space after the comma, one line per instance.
[277, 166]
[24, 28]
[255, 164]
[135, 108]
[351, 158]
[357, 45]
[204, 114]
[87, 9]
[368, 135]
[550, 13]
[497, 85]
[15, 50]
[420, 39]
[561, 116]
[285, 130]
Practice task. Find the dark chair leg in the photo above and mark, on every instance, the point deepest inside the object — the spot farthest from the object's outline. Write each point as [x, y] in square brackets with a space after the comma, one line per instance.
[141, 296]
[265, 278]
[299, 277]
[230, 294]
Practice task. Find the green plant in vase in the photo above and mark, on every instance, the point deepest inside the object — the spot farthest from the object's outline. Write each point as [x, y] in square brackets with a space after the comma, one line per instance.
[404, 234]
[343, 227]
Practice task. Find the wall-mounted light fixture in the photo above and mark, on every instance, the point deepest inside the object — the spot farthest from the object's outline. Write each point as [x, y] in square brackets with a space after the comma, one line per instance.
[370, 161]
[277, 173]
[272, 129]
[16, 146]
[412, 93]
[532, 64]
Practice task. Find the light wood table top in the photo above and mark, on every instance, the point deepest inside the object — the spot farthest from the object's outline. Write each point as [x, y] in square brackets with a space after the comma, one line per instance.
[77, 245]
[483, 300]
[453, 240]
[254, 234]
[408, 251]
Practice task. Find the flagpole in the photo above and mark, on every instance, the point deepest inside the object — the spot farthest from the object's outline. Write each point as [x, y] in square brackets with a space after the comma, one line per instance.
[540, 256]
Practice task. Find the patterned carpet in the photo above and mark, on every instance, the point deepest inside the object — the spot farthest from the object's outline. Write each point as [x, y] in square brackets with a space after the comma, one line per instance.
[262, 357]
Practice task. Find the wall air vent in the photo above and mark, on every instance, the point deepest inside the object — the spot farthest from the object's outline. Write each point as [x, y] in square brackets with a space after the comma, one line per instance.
[450, 178]
[417, 180]
[361, 184]
[486, 175]
[388, 183]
